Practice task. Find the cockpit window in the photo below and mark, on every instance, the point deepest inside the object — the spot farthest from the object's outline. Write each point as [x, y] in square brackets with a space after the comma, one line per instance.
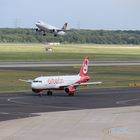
[35, 81]
[40, 22]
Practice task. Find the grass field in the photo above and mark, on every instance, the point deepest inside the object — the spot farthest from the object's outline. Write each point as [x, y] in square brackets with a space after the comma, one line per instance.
[112, 76]
[36, 52]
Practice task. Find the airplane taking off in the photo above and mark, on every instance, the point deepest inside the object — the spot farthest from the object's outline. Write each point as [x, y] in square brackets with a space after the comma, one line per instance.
[46, 28]
[67, 83]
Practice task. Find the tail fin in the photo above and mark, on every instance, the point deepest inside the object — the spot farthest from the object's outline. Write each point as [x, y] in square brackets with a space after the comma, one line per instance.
[65, 26]
[84, 68]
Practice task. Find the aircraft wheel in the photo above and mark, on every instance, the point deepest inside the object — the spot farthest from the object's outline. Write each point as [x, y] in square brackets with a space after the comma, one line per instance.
[40, 95]
[44, 34]
[71, 94]
[49, 93]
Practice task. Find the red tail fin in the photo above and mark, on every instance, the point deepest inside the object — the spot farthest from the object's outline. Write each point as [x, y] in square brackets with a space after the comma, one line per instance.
[84, 68]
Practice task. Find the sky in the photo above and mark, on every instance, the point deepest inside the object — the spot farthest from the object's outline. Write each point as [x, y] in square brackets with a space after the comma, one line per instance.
[81, 14]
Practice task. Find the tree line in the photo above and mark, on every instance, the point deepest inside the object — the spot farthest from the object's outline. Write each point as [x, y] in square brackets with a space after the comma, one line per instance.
[20, 35]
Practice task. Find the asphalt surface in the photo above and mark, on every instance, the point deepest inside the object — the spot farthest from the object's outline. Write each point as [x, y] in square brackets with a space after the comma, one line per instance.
[67, 63]
[28, 104]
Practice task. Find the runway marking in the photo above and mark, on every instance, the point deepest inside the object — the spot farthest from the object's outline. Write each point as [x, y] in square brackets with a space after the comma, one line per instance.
[127, 101]
[4, 105]
[4, 113]
[17, 102]
[73, 108]
[12, 100]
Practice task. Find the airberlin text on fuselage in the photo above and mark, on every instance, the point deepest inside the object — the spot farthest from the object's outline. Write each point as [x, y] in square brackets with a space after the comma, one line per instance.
[55, 81]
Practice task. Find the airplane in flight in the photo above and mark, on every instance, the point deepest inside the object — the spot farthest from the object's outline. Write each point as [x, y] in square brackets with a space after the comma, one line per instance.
[46, 28]
[67, 83]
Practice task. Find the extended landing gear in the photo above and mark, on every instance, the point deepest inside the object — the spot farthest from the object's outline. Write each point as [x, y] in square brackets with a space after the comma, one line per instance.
[49, 93]
[36, 29]
[71, 94]
[55, 35]
[40, 94]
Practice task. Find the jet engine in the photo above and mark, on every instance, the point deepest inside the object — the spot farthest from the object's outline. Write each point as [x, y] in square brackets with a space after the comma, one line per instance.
[70, 90]
[54, 31]
[61, 33]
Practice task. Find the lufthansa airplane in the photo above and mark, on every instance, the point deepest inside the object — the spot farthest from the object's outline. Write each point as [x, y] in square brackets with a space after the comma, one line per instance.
[67, 83]
[46, 28]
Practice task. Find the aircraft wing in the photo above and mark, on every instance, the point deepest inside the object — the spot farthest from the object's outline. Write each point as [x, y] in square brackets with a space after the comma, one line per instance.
[80, 84]
[56, 30]
[88, 83]
[67, 30]
[27, 81]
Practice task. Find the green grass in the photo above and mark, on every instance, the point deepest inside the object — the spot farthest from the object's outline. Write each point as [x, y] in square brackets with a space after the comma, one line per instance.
[111, 76]
[116, 76]
[36, 52]
[10, 79]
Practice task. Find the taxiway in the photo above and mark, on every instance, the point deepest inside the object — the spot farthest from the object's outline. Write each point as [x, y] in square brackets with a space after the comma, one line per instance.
[27, 104]
[66, 63]
[99, 114]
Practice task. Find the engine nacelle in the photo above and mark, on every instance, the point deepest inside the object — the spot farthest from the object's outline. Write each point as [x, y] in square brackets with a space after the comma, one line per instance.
[61, 33]
[36, 29]
[70, 90]
[54, 31]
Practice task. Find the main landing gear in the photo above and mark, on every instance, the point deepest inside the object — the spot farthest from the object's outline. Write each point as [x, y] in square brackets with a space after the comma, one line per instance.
[72, 94]
[49, 93]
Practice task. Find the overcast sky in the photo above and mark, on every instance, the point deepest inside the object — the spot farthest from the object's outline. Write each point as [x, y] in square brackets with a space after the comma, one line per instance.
[85, 14]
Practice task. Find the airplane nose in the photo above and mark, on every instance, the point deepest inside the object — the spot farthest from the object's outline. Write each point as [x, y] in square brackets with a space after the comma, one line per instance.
[36, 24]
[33, 86]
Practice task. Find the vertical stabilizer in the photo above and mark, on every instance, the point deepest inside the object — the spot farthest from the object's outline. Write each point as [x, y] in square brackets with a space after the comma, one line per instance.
[84, 68]
[65, 26]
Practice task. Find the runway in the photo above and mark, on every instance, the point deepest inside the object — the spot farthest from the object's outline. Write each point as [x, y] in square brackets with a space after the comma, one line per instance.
[66, 63]
[28, 104]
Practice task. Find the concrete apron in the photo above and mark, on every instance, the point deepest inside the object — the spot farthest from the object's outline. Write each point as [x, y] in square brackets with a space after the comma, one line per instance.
[90, 124]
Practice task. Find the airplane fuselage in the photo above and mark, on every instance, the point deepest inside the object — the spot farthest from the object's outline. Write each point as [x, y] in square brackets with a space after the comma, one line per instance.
[56, 82]
[46, 28]
[67, 83]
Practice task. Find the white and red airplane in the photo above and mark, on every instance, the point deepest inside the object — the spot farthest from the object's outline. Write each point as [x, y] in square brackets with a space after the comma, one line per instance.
[67, 83]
